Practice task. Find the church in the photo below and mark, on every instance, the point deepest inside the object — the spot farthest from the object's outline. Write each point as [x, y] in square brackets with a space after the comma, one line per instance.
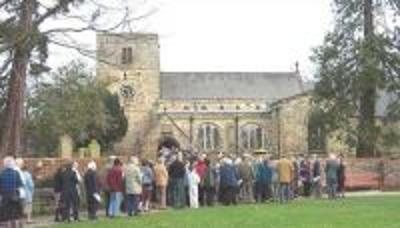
[207, 112]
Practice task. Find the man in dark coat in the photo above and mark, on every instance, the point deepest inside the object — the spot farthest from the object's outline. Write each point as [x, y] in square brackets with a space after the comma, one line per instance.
[70, 195]
[92, 190]
[229, 182]
[177, 174]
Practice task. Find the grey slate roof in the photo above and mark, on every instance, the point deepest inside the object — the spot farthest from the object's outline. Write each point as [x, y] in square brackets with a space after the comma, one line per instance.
[229, 85]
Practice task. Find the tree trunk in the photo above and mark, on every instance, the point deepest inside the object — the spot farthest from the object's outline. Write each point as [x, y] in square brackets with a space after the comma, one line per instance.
[14, 112]
[367, 127]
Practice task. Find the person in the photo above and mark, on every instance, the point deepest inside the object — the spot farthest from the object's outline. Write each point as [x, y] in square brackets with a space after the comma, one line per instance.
[161, 181]
[275, 181]
[28, 189]
[147, 183]
[177, 173]
[247, 176]
[381, 174]
[305, 175]
[92, 190]
[115, 182]
[69, 194]
[294, 183]
[341, 176]
[263, 180]
[285, 171]
[11, 206]
[210, 183]
[229, 182]
[193, 182]
[103, 179]
[331, 173]
[201, 169]
[58, 203]
[316, 175]
[133, 185]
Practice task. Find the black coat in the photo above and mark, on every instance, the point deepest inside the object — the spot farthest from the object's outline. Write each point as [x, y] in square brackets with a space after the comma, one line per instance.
[69, 183]
[177, 170]
[91, 182]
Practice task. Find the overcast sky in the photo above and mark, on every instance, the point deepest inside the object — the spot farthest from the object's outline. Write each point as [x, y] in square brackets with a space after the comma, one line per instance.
[233, 35]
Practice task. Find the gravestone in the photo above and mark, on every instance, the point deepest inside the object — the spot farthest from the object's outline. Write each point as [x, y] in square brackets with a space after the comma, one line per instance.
[66, 146]
[94, 149]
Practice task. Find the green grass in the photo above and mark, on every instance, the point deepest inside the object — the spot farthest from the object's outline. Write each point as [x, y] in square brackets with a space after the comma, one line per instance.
[376, 212]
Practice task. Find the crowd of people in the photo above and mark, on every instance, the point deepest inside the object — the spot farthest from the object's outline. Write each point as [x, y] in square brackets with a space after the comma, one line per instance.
[178, 180]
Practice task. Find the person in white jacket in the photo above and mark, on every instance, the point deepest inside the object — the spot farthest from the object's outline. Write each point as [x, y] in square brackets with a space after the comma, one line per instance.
[194, 180]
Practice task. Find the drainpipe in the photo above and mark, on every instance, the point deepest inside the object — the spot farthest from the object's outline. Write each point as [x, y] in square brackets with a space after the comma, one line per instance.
[237, 134]
[278, 116]
[191, 129]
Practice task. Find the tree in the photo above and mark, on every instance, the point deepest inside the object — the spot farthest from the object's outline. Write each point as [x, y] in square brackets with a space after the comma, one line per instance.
[74, 104]
[27, 28]
[358, 60]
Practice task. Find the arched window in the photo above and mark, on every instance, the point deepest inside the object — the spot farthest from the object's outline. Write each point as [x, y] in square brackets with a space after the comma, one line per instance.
[252, 137]
[208, 137]
[316, 133]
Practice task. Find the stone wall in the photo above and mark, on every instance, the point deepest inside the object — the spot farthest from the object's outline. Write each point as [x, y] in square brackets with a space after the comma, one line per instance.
[183, 119]
[293, 117]
[142, 74]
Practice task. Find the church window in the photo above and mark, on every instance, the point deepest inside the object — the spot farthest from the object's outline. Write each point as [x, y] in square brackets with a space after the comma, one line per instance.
[252, 137]
[186, 108]
[203, 107]
[221, 107]
[208, 137]
[126, 57]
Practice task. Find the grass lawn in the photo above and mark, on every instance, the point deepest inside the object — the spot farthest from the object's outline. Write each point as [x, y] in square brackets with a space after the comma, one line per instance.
[376, 212]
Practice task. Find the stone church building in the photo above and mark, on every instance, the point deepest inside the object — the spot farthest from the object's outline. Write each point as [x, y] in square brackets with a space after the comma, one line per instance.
[231, 112]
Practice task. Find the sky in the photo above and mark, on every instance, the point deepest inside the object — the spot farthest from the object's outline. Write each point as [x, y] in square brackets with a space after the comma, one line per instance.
[231, 35]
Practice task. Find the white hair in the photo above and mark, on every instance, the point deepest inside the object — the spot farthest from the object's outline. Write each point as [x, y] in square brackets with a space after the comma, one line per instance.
[227, 161]
[92, 165]
[19, 162]
[9, 162]
[134, 160]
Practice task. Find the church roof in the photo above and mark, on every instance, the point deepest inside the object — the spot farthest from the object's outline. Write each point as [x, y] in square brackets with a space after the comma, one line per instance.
[229, 85]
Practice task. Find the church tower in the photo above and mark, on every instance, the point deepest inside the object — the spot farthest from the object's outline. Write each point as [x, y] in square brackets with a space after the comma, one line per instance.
[130, 65]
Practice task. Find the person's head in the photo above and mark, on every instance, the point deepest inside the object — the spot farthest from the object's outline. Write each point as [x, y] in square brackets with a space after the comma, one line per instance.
[202, 157]
[332, 156]
[19, 162]
[161, 160]
[9, 162]
[75, 165]
[92, 165]
[117, 162]
[315, 157]
[134, 160]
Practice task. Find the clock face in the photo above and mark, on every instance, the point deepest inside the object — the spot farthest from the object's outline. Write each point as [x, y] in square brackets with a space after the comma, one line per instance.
[127, 91]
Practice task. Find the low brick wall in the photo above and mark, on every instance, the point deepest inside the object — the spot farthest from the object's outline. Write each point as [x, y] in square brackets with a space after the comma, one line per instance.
[360, 173]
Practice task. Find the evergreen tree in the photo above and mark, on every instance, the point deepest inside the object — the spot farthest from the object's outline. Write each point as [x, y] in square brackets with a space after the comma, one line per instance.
[74, 104]
[358, 61]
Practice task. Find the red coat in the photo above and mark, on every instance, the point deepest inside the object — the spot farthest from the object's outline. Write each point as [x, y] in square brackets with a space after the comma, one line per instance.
[201, 169]
[115, 179]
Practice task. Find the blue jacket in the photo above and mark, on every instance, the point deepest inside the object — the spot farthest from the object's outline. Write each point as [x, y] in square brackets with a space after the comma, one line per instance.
[263, 174]
[229, 176]
[10, 181]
